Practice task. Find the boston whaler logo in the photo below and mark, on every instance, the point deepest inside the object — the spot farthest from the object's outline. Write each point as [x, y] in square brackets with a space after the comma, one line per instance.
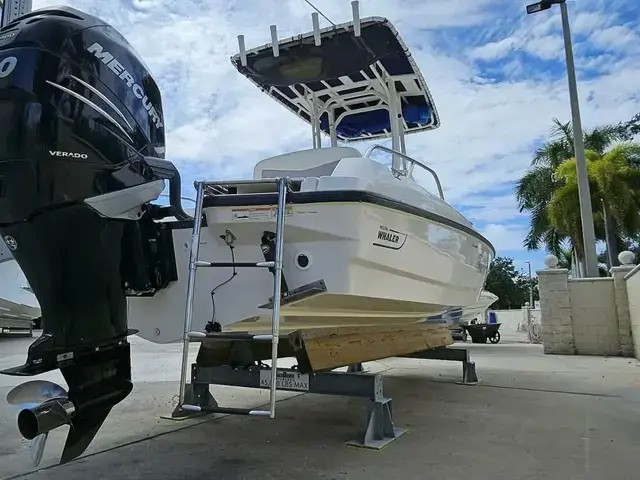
[116, 67]
[57, 153]
[389, 238]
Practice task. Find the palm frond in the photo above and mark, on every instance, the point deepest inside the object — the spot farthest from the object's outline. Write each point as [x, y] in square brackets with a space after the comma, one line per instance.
[552, 153]
[563, 131]
[539, 226]
[536, 185]
[616, 182]
[600, 139]
[564, 213]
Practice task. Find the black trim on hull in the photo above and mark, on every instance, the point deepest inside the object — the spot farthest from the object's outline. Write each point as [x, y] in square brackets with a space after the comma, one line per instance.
[330, 196]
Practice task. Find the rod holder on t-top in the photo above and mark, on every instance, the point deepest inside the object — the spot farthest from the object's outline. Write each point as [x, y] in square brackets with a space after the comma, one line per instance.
[274, 40]
[355, 10]
[243, 50]
[317, 38]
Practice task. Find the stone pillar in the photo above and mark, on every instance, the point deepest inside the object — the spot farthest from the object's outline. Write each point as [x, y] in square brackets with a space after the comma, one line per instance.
[622, 302]
[555, 308]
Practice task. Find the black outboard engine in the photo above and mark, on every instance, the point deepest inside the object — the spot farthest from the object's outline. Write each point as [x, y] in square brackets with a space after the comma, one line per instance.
[81, 147]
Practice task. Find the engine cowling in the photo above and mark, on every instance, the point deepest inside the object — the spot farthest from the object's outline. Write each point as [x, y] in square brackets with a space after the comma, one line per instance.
[81, 158]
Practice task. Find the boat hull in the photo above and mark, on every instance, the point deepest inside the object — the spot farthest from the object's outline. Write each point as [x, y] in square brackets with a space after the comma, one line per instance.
[464, 315]
[377, 265]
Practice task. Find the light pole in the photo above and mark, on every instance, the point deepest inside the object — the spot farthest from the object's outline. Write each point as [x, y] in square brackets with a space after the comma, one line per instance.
[531, 304]
[586, 210]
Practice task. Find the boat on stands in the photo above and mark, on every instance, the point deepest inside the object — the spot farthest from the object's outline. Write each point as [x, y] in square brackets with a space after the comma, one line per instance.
[365, 243]
[346, 241]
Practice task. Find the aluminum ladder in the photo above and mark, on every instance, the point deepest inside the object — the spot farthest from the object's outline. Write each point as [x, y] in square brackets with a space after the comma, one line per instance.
[195, 263]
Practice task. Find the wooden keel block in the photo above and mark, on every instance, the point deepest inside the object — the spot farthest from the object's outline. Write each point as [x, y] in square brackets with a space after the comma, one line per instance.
[328, 348]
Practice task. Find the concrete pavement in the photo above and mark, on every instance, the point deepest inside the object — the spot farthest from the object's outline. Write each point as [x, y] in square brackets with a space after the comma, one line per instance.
[531, 417]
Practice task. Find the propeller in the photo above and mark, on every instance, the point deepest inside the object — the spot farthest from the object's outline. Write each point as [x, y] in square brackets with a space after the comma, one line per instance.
[33, 394]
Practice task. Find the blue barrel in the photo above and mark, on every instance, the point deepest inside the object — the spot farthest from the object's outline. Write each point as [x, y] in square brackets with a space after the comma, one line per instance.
[492, 317]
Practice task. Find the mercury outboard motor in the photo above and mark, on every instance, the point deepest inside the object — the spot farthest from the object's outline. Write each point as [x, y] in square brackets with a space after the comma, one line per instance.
[81, 158]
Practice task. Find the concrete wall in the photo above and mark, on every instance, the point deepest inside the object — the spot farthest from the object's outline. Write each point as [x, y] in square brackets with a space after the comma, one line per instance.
[513, 320]
[508, 318]
[556, 319]
[588, 316]
[632, 281]
[593, 315]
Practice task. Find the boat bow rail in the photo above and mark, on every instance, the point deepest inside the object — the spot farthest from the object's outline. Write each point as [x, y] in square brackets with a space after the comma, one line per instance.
[406, 171]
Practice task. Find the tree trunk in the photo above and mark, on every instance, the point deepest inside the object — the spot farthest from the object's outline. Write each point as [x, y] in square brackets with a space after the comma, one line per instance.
[610, 236]
[578, 260]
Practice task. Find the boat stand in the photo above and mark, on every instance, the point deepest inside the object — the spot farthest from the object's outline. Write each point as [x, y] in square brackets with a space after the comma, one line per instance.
[380, 429]
[355, 382]
[469, 375]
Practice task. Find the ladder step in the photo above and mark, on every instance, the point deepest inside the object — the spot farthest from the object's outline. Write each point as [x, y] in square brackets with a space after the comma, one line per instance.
[202, 263]
[194, 335]
[232, 411]
[263, 338]
[230, 336]
[224, 183]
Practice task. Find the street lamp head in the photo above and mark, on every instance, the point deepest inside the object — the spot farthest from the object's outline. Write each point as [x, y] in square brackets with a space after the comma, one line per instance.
[538, 7]
[542, 5]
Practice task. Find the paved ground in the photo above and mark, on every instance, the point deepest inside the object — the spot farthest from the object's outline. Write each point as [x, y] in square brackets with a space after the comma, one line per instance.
[531, 417]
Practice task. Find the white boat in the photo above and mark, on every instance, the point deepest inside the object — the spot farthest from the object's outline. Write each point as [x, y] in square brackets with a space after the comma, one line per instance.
[364, 243]
[14, 312]
[464, 315]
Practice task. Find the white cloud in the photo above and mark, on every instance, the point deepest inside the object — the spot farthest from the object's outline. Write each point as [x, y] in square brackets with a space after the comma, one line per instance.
[491, 208]
[505, 237]
[494, 50]
[615, 37]
[549, 47]
[588, 22]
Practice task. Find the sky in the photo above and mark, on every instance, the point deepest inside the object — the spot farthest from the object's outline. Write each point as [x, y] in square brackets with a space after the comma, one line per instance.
[497, 76]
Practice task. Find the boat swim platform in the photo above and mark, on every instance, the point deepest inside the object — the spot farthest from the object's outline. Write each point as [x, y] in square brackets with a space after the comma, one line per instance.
[315, 373]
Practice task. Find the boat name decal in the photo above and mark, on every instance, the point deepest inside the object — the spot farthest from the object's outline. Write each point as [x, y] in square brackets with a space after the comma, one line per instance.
[389, 238]
[58, 153]
[116, 67]
[7, 66]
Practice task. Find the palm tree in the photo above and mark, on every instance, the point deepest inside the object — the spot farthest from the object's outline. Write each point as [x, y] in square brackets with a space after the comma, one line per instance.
[613, 186]
[536, 189]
